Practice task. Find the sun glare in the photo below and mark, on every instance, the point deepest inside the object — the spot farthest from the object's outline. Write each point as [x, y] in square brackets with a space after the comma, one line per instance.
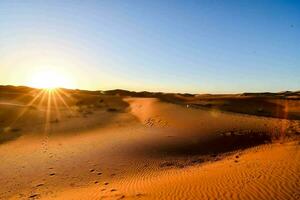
[49, 80]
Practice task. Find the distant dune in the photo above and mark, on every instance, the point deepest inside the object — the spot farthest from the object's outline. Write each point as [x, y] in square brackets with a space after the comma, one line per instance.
[118, 144]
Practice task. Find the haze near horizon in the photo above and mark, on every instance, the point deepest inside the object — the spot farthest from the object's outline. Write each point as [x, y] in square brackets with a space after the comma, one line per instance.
[176, 46]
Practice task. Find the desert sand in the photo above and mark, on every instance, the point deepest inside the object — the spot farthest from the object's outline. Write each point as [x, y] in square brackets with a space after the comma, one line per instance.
[96, 145]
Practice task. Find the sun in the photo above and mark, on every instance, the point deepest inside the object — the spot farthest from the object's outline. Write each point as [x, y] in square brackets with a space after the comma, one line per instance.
[49, 79]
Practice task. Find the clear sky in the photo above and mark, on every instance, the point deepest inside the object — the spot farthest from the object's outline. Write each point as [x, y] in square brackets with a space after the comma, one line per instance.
[176, 46]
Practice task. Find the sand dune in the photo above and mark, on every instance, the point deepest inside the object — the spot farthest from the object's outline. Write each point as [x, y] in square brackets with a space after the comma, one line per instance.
[267, 172]
[152, 150]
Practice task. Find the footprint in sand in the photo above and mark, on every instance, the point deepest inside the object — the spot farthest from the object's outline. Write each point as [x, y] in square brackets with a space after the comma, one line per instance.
[39, 185]
[122, 197]
[72, 184]
[139, 195]
[34, 196]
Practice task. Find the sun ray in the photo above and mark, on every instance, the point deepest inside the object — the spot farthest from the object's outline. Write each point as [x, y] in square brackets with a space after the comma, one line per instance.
[40, 104]
[71, 111]
[25, 109]
[57, 110]
[48, 112]
[31, 92]
[65, 93]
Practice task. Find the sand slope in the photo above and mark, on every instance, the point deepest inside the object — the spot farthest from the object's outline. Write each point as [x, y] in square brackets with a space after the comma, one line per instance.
[268, 172]
[156, 150]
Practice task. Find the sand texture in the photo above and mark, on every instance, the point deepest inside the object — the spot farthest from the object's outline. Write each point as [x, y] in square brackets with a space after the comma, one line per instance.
[107, 146]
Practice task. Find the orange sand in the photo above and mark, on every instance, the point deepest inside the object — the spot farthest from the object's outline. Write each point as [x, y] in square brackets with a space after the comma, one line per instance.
[154, 150]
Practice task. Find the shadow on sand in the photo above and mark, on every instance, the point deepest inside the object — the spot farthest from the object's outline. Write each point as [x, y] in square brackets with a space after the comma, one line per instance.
[193, 146]
[9, 135]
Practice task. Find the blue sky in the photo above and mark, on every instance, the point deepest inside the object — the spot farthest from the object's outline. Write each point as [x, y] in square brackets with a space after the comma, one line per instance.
[176, 46]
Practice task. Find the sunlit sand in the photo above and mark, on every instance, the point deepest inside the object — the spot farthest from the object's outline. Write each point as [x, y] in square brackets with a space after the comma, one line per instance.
[75, 144]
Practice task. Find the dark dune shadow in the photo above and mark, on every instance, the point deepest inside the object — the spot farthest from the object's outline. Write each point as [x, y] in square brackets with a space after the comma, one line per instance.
[6, 136]
[251, 106]
[204, 146]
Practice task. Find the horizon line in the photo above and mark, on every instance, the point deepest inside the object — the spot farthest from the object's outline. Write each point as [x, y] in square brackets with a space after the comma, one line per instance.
[139, 91]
